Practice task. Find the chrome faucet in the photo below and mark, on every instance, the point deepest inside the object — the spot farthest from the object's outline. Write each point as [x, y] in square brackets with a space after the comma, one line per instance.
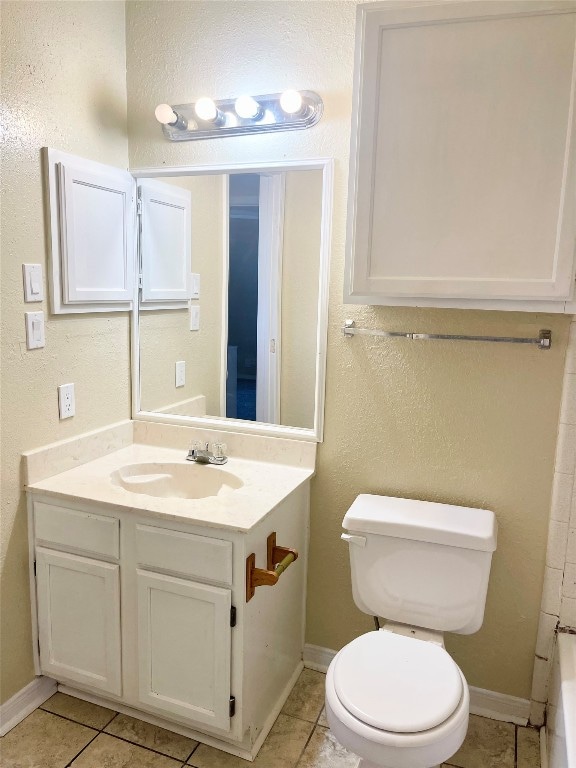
[203, 455]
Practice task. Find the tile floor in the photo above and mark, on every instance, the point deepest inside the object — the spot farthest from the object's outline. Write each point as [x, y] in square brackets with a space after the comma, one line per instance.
[69, 732]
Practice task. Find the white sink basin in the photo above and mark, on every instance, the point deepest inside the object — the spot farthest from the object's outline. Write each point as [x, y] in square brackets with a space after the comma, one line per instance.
[176, 481]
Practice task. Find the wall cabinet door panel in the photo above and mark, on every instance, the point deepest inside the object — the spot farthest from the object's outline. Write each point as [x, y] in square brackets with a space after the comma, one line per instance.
[97, 234]
[463, 166]
[79, 619]
[184, 648]
[92, 235]
[165, 241]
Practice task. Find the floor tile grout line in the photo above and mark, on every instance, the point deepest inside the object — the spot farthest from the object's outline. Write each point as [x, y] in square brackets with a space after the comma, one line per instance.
[68, 764]
[120, 738]
[78, 722]
[69, 719]
[114, 716]
[149, 749]
[193, 750]
[308, 740]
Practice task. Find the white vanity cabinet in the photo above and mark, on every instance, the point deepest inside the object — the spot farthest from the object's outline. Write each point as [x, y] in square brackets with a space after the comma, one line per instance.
[463, 164]
[149, 615]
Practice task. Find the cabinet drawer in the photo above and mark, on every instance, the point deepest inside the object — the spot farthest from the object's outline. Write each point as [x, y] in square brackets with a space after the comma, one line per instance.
[78, 530]
[184, 553]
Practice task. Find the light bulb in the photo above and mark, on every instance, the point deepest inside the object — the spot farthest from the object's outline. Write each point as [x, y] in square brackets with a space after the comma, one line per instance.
[246, 107]
[206, 110]
[165, 114]
[291, 102]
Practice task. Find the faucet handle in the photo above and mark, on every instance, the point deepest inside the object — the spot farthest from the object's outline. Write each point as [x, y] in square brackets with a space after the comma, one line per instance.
[195, 446]
[218, 450]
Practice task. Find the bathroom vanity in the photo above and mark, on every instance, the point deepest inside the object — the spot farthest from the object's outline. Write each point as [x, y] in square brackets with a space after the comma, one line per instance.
[144, 580]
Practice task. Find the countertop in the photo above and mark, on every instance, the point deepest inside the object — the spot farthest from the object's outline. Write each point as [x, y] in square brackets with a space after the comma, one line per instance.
[265, 486]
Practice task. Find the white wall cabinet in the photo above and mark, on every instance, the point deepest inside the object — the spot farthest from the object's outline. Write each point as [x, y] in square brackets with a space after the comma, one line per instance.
[463, 167]
[79, 619]
[94, 220]
[150, 615]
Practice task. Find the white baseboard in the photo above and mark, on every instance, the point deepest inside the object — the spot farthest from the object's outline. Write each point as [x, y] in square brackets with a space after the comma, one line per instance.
[496, 706]
[24, 702]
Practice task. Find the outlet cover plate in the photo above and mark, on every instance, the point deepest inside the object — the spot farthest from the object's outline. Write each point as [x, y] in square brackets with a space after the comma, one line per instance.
[66, 401]
[180, 373]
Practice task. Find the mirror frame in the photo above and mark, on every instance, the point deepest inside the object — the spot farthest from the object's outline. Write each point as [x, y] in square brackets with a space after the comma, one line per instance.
[326, 165]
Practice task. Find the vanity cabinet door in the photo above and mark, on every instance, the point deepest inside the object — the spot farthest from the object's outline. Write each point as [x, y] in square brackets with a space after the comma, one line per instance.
[184, 650]
[79, 619]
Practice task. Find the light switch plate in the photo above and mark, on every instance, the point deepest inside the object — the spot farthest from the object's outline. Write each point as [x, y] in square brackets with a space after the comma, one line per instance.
[180, 373]
[66, 401]
[195, 291]
[194, 317]
[33, 285]
[35, 330]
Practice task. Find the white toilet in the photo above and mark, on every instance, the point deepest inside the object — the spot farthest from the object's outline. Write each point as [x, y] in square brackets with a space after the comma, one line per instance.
[396, 698]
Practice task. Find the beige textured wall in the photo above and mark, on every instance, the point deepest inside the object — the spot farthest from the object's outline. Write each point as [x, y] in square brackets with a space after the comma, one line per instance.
[454, 422]
[63, 85]
[300, 264]
[165, 335]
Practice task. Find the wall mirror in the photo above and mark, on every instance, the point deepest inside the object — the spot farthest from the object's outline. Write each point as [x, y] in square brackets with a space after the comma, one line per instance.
[231, 318]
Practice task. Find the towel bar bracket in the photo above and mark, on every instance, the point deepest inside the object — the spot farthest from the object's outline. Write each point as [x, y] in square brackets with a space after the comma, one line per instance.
[277, 561]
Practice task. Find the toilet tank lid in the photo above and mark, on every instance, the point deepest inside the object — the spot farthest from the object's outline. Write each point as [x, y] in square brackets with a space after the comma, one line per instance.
[429, 521]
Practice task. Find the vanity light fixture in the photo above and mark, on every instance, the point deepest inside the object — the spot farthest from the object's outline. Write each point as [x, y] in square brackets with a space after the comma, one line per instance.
[207, 118]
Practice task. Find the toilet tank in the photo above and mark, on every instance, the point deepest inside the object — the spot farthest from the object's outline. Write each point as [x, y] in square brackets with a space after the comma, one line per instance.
[419, 562]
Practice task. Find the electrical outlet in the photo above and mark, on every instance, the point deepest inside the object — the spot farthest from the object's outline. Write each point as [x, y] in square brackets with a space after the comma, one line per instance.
[66, 401]
[180, 373]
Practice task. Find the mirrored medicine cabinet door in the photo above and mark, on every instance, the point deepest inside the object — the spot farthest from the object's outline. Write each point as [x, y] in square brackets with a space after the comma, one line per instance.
[230, 323]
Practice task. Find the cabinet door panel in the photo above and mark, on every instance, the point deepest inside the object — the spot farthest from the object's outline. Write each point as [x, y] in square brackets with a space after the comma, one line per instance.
[165, 241]
[184, 648]
[463, 171]
[79, 619]
[97, 228]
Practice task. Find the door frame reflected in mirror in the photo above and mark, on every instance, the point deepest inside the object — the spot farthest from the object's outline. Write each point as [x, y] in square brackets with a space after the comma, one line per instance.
[326, 165]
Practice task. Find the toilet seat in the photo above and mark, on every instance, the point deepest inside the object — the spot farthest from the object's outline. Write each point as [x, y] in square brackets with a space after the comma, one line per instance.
[396, 749]
[397, 683]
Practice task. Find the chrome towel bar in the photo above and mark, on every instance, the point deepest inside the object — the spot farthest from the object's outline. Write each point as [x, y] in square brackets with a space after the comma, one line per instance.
[543, 341]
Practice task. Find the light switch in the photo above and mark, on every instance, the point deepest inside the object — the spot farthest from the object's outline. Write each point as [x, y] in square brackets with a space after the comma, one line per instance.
[33, 287]
[35, 330]
[194, 317]
[180, 373]
[195, 290]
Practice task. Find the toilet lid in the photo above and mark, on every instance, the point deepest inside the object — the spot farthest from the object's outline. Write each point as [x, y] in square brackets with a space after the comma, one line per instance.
[397, 683]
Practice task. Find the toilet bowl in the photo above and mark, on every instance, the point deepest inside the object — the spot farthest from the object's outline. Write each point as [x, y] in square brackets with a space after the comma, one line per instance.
[395, 697]
[396, 701]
